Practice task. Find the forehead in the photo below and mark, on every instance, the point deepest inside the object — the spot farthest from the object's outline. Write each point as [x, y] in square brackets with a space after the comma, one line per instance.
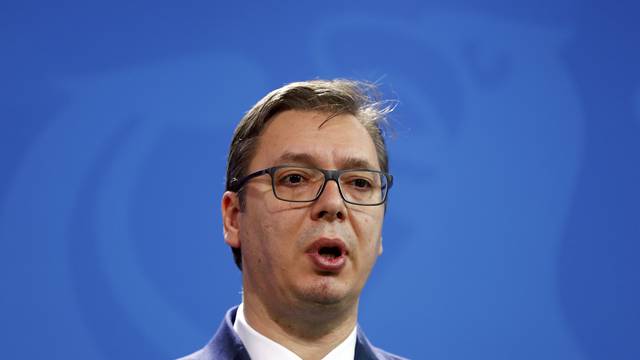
[308, 137]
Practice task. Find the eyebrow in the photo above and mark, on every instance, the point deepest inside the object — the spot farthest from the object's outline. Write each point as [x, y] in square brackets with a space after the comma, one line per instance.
[306, 159]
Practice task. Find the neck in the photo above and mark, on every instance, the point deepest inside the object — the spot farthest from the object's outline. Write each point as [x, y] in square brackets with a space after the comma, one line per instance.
[309, 330]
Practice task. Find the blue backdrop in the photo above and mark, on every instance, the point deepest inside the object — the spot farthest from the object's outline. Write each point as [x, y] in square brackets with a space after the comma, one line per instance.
[513, 226]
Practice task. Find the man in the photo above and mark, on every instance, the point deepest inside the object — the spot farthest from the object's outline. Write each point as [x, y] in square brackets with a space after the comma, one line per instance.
[307, 181]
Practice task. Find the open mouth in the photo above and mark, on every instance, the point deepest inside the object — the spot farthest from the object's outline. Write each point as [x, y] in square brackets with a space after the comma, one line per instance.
[328, 255]
[330, 252]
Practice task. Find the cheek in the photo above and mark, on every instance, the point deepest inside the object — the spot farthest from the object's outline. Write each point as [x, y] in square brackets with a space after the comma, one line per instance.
[367, 225]
[277, 237]
[367, 228]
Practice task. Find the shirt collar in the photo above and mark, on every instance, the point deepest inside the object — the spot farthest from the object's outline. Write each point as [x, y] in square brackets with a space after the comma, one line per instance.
[261, 347]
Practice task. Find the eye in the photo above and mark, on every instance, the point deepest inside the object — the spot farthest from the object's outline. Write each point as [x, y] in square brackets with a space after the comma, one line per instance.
[361, 183]
[292, 179]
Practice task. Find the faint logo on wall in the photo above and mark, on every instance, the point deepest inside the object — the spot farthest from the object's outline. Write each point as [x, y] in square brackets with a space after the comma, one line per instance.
[490, 137]
[122, 186]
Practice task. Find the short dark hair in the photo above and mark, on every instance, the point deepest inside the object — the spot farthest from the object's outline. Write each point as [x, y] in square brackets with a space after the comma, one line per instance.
[334, 97]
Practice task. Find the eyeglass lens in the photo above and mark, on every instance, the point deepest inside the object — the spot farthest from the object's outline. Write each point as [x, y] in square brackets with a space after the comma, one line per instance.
[304, 184]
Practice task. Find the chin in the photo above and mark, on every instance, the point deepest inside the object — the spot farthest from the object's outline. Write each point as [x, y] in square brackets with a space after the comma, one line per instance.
[325, 292]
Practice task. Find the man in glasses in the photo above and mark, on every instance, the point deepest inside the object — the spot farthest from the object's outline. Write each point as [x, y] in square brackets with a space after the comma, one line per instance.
[307, 181]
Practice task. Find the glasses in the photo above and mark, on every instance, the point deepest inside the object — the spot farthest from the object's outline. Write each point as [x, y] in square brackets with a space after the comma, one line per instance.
[306, 184]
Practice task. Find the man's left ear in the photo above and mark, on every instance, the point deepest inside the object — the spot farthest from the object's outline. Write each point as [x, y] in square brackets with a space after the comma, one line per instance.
[380, 247]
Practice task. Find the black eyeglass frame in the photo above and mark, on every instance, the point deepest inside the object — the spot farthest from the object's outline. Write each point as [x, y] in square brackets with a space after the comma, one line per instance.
[237, 184]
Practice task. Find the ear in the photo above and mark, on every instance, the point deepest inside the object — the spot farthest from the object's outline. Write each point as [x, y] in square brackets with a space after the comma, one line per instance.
[380, 247]
[230, 207]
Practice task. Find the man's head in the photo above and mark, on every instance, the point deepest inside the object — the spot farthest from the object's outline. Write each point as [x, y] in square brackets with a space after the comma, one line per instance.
[332, 97]
[279, 245]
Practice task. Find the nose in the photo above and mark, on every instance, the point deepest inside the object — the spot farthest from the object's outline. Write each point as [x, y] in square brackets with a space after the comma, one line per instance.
[329, 206]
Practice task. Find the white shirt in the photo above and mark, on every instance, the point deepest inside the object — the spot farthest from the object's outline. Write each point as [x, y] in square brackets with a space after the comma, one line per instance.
[261, 347]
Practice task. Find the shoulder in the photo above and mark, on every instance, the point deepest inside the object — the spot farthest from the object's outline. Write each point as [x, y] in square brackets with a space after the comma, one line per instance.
[366, 351]
[383, 355]
[225, 344]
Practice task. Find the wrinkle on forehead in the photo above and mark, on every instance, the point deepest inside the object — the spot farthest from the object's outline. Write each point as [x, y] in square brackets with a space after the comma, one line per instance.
[343, 162]
[307, 138]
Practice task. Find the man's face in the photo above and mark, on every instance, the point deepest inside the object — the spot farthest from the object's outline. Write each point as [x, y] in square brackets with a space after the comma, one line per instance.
[281, 241]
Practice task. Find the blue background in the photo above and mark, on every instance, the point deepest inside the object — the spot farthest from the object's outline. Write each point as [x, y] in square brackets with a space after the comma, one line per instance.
[513, 226]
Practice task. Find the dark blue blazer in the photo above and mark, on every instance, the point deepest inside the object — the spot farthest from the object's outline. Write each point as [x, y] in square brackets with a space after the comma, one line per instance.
[226, 345]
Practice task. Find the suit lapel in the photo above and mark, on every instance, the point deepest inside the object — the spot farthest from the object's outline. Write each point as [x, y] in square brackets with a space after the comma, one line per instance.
[364, 349]
[226, 344]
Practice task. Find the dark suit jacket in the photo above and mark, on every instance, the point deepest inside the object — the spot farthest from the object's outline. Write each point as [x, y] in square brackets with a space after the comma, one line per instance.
[226, 345]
